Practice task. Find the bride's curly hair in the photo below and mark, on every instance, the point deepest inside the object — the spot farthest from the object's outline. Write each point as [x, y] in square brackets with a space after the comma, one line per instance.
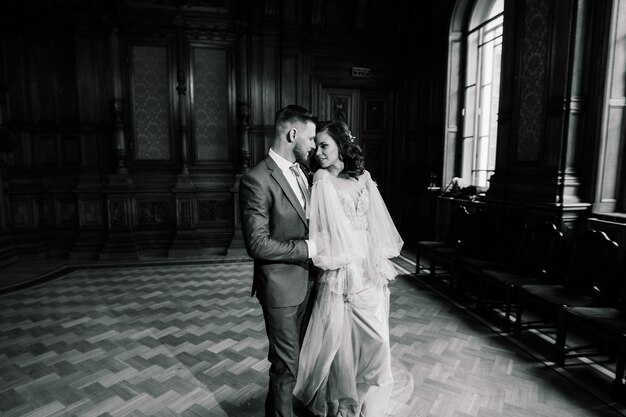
[349, 152]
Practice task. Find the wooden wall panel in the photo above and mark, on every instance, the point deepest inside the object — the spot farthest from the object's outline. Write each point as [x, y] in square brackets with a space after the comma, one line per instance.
[289, 80]
[270, 82]
[42, 83]
[152, 98]
[210, 110]
[66, 89]
[90, 211]
[71, 154]
[46, 144]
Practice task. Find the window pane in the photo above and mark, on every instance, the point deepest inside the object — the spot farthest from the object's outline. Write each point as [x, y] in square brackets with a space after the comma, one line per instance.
[486, 69]
[485, 111]
[493, 24]
[619, 58]
[481, 153]
[470, 113]
[484, 48]
[468, 153]
[491, 165]
[472, 59]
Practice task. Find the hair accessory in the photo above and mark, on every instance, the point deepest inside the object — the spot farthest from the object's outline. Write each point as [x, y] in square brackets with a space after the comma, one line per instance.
[352, 138]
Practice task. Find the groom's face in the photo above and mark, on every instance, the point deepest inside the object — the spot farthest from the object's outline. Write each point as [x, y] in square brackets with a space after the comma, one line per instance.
[305, 141]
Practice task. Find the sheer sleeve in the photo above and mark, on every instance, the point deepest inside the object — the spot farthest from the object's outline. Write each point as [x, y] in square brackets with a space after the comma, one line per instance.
[329, 227]
[384, 238]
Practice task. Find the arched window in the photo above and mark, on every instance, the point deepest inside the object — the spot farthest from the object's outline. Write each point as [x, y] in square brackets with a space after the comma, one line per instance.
[474, 83]
[611, 184]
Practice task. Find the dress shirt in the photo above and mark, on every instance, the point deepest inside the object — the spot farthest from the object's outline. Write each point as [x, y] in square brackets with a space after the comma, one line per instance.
[285, 167]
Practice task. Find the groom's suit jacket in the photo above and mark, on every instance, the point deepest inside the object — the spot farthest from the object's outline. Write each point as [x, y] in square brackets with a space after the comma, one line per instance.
[274, 227]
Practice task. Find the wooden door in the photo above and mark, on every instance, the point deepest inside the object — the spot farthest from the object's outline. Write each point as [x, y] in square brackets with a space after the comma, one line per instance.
[370, 116]
[376, 136]
[341, 104]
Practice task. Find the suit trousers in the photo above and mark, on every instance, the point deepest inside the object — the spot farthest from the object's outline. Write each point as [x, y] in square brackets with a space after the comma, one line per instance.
[285, 327]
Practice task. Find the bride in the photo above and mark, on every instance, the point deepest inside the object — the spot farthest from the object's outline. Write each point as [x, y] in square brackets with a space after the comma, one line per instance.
[345, 362]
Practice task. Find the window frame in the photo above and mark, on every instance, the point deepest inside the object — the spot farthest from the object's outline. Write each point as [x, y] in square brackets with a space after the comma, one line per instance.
[461, 153]
[610, 185]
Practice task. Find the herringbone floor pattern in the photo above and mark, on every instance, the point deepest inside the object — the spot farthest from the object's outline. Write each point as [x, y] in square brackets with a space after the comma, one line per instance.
[189, 341]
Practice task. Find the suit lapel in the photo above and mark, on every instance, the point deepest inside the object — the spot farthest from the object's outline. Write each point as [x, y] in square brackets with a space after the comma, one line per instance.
[278, 176]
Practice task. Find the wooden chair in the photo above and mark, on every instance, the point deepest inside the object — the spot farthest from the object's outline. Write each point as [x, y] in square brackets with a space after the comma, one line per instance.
[509, 241]
[604, 326]
[589, 271]
[457, 232]
[477, 241]
[536, 265]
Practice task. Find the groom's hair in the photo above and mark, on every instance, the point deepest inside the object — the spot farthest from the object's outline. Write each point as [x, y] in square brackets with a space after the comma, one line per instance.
[293, 113]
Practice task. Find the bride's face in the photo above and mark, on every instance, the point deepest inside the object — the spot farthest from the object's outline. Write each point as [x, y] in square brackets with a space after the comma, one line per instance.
[327, 152]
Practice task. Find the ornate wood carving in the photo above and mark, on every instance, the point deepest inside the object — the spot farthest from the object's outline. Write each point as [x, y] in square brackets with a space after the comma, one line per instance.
[65, 209]
[211, 33]
[317, 12]
[89, 212]
[213, 211]
[23, 213]
[244, 127]
[533, 80]
[187, 4]
[119, 213]
[117, 104]
[154, 212]
[181, 88]
[184, 212]
[340, 109]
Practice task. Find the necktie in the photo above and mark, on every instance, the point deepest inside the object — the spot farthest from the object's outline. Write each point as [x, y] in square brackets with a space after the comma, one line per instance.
[303, 188]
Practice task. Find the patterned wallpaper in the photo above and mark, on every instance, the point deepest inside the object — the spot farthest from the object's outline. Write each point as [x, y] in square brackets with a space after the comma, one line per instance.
[151, 103]
[533, 80]
[210, 104]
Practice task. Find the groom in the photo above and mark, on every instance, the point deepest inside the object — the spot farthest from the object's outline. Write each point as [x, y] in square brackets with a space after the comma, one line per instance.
[273, 198]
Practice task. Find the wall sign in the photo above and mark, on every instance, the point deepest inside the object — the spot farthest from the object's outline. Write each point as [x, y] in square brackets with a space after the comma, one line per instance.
[361, 72]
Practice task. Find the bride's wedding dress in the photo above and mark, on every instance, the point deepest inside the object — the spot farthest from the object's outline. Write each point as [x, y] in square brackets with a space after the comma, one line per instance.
[345, 362]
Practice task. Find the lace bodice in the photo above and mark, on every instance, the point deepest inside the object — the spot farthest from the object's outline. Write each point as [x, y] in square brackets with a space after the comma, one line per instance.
[356, 211]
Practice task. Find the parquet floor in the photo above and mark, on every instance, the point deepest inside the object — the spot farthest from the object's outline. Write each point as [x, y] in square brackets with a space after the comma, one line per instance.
[187, 340]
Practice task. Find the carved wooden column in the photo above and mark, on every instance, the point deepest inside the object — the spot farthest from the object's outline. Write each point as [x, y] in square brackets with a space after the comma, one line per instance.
[120, 201]
[538, 160]
[571, 111]
[8, 254]
[181, 88]
[185, 241]
[237, 246]
[90, 199]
